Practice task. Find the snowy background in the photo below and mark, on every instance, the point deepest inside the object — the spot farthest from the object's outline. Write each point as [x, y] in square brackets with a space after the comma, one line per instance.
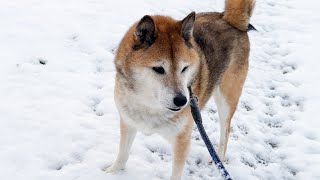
[58, 120]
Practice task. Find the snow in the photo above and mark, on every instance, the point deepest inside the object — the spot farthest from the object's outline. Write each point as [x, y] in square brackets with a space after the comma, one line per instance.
[58, 118]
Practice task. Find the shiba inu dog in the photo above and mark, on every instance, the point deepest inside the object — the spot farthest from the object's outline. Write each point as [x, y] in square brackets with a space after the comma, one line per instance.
[160, 57]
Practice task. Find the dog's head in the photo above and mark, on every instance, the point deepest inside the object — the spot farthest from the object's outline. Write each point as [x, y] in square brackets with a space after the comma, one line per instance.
[158, 60]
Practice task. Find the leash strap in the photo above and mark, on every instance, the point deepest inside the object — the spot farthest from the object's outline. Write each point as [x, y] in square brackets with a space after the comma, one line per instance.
[195, 111]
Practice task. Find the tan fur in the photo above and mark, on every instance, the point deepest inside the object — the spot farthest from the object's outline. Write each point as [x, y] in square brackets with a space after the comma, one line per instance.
[231, 87]
[181, 148]
[232, 82]
[238, 13]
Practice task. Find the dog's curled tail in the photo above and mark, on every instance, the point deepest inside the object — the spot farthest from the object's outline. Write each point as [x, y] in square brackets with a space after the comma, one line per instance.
[238, 13]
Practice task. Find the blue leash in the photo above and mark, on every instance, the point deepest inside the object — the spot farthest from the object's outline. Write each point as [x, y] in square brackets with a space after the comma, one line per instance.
[198, 120]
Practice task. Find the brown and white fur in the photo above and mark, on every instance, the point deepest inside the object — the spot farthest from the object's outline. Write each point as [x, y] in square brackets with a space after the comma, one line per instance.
[159, 57]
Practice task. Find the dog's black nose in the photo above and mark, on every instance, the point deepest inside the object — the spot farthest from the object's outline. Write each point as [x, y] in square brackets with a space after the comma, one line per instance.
[180, 100]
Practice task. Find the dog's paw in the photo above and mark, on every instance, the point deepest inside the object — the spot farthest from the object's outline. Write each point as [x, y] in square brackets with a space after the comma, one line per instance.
[113, 169]
[221, 154]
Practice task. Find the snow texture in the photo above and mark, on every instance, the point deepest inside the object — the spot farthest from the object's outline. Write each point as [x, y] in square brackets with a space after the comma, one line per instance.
[59, 121]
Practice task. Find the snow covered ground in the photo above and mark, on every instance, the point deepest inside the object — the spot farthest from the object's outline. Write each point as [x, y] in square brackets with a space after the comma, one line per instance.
[57, 115]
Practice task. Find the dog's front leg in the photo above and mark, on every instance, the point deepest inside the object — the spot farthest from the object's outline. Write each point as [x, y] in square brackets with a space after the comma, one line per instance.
[181, 147]
[127, 135]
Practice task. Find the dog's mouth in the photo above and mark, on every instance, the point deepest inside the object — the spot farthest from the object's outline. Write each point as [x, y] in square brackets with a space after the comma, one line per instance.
[175, 110]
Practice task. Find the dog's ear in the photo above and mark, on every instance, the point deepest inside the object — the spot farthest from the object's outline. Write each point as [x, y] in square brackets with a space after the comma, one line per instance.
[145, 33]
[187, 26]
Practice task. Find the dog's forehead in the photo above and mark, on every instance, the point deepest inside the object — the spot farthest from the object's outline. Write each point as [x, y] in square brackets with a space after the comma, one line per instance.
[166, 51]
[169, 38]
[171, 48]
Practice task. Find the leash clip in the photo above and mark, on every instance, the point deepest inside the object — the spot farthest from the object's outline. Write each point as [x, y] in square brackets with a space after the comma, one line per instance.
[192, 95]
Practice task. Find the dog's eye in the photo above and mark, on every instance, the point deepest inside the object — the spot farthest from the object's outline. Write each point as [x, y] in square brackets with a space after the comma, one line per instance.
[159, 70]
[184, 69]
